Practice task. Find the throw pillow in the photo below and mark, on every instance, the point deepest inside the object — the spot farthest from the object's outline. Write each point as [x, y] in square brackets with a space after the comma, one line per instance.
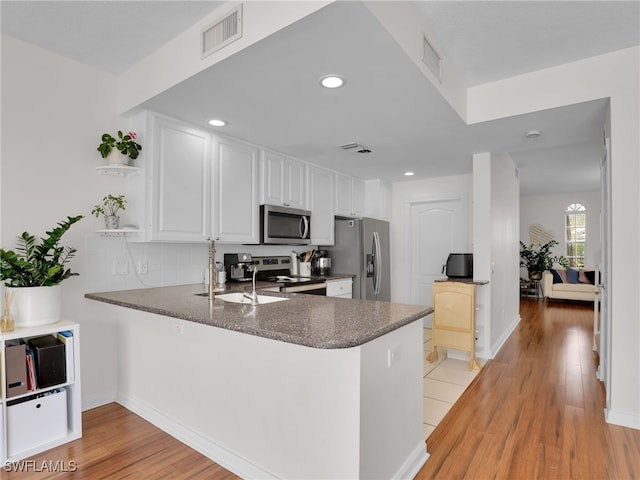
[557, 278]
[572, 275]
[582, 277]
[563, 275]
[591, 276]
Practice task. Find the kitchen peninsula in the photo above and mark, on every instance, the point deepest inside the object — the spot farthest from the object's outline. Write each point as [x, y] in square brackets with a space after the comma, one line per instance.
[310, 387]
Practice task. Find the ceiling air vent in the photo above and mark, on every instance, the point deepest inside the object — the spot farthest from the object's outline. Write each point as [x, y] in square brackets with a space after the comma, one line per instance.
[223, 32]
[430, 58]
[355, 147]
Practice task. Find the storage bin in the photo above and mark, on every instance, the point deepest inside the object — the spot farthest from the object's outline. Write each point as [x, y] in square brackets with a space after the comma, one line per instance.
[32, 422]
[16, 369]
[50, 361]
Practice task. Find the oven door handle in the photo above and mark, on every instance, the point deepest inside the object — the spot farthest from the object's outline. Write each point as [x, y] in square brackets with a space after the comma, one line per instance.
[303, 288]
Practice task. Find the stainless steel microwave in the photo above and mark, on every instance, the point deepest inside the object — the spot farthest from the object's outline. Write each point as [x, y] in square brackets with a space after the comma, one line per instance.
[284, 226]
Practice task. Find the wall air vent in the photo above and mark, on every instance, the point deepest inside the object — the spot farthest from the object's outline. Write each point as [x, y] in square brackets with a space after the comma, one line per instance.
[223, 32]
[355, 147]
[430, 58]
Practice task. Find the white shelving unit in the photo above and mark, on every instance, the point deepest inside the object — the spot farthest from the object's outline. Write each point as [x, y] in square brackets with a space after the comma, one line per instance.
[37, 425]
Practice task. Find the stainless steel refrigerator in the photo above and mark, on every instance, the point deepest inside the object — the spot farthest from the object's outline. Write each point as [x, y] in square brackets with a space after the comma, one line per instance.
[362, 248]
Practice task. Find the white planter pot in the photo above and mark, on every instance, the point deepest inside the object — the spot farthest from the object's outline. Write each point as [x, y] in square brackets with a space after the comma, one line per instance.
[117, 158]
[112, 222]
[33, 306]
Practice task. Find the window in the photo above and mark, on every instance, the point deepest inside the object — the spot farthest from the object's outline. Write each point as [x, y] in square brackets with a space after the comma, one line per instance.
[576, 233]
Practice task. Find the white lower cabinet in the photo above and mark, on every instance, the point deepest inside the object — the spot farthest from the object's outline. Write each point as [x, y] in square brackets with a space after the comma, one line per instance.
[342, 288]
[36, 420]
[235, 192]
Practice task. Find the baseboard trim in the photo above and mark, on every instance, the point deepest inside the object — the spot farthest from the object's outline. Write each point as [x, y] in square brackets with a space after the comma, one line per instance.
[622, 419]
[414, 463]
[94, 401]
[505, 336]
[229, 460]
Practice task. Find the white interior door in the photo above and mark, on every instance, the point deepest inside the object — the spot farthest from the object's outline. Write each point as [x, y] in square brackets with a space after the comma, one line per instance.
[438, 228]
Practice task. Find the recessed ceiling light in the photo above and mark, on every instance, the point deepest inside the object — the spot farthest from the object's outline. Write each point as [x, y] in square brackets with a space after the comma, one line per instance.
[217, 123]
[332, 81]
[532, 134]
[409, 174]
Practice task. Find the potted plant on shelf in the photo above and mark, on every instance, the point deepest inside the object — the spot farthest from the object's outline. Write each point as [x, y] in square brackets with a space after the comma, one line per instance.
[119, 150]
[33, 273]
[111, 204]
[537, 258]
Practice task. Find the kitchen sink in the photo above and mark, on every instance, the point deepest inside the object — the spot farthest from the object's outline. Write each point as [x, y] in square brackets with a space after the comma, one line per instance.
[238, 297]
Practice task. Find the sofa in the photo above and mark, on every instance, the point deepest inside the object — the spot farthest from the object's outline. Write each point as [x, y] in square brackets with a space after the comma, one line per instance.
[571, 284]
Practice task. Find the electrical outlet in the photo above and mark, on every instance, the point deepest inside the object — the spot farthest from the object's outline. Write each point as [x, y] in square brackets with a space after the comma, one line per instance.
[143, 267]
[179, 328]
[120, 267]
[393, 356]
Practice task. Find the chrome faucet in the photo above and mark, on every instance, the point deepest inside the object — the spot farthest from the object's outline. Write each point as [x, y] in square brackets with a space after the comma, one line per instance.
[254, 295]
[212, 269]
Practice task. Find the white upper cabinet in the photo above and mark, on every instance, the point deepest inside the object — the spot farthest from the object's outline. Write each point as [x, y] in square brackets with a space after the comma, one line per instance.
[357, 197]
[377, 199]
[235, 192]
[349, 196]
[282, 181]
[320, 193]
[179, 160]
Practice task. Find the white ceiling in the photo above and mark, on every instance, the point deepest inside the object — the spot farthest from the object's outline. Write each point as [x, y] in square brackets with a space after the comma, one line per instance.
[270, 95]
[491, 40]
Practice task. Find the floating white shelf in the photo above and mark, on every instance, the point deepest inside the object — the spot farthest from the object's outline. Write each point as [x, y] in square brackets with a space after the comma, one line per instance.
[118, 233]
[119, 170]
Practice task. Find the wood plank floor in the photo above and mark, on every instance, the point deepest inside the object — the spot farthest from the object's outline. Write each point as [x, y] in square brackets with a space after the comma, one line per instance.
[534, 412]
[117, 444]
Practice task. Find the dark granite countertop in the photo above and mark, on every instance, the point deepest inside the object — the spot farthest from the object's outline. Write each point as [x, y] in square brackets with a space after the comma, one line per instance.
[310, 320]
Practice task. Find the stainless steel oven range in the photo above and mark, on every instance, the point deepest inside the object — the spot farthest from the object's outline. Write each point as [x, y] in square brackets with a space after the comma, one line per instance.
[277, 270]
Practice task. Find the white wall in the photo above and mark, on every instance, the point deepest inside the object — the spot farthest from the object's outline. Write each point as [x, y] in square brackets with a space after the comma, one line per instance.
[402, 194]
[53, 114]
[615, 76]
[549, 211]
[495, 248]
[505, 222]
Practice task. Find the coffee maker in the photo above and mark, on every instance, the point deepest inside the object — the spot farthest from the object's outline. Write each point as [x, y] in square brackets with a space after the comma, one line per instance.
[238, 267]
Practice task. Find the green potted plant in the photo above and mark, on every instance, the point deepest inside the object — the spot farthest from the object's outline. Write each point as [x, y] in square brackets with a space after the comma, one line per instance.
[33, 273]
[119, 150]
[537, 258]
[111, 204]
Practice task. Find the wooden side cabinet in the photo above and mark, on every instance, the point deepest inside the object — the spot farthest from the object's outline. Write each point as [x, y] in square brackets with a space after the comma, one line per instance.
[454, 319]
[32, 421]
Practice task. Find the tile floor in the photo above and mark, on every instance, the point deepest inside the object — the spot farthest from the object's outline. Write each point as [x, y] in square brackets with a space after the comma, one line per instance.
[444, 381]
